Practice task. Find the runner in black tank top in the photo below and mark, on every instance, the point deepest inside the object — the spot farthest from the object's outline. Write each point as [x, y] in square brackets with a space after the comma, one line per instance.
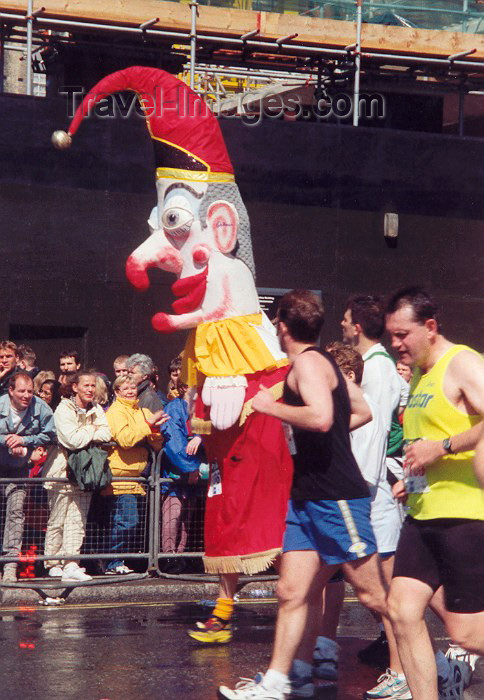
[328, 519]
[324, 466]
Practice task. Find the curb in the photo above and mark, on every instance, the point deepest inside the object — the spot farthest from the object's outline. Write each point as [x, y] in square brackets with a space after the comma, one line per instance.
[150, 590]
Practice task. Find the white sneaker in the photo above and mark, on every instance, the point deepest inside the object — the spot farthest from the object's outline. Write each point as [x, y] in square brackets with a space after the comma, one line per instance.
[389, 685]
[121, 569]
[253, 689]
[456, 652]
[56, 571]
[73, 572]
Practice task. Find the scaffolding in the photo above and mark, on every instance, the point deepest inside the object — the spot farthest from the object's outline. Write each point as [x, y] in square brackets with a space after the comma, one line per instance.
[219, 64]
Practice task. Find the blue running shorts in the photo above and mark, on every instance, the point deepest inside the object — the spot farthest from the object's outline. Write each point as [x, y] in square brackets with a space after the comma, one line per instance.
[339, 531]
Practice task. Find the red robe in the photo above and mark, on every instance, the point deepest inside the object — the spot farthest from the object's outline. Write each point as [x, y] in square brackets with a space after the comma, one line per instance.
[250, 479]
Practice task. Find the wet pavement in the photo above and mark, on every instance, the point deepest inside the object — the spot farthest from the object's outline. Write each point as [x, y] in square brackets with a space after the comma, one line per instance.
[136, 651]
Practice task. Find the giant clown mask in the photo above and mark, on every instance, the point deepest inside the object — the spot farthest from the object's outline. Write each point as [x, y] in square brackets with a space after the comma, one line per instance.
[199, 232]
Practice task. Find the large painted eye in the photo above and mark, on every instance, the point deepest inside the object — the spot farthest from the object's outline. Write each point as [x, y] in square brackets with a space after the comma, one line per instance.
[177, 221]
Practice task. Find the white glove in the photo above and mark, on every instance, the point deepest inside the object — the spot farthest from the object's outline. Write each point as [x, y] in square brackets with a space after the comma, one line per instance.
[225, 396]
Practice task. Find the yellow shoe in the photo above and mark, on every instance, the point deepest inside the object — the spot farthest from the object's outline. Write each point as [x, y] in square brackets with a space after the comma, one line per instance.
[213, 631]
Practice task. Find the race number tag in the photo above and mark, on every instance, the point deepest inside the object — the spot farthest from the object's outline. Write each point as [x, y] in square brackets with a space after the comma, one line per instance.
[289, 435]
[415, 483]
[215, 488]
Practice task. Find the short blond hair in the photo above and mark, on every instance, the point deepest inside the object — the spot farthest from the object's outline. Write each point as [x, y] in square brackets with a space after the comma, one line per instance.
[120, 360]
[9, 345]
[102, 393]
[119, 381]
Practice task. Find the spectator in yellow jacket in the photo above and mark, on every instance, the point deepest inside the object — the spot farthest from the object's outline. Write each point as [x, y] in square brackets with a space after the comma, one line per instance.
[134, 429]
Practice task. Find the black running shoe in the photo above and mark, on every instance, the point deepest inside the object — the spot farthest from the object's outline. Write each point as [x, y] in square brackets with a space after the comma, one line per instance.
[376, 653]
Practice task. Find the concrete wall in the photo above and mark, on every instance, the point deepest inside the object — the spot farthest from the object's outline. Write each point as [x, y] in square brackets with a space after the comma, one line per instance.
[316, 195]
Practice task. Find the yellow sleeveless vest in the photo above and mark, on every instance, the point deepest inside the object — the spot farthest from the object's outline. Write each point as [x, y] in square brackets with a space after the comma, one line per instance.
[453, 488]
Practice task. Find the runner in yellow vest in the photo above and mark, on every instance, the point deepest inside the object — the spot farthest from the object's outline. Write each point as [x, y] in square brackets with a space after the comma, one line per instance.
[439, 556]
[479, 460]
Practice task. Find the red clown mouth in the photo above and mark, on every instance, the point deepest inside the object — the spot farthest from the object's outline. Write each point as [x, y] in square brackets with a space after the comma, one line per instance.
[191, 291]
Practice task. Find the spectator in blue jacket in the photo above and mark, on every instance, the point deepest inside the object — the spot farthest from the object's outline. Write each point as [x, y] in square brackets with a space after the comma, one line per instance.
[181, 461]
[26, 422]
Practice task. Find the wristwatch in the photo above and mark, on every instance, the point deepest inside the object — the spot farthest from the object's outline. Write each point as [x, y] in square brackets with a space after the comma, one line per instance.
[447, 446]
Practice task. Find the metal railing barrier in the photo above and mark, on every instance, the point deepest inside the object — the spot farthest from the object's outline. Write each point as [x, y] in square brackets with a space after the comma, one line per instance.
[139, 527]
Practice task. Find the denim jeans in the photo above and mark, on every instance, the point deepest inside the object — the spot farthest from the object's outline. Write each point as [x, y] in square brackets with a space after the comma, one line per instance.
[124, 510]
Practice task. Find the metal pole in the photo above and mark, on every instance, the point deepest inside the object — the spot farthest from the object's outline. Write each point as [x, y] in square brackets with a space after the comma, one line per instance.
[319, 83]
[461, 111]
[465, 10]
[154, 485]
[2, 59]
[292, 49]
[193, 42]
[356, 91]
[30, 21]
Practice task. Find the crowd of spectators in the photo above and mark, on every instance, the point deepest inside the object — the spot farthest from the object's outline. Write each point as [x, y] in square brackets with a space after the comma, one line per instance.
[84, 409]
[57, 426]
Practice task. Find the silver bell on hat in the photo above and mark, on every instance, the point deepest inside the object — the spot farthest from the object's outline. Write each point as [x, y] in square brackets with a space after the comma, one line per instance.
[61, 139]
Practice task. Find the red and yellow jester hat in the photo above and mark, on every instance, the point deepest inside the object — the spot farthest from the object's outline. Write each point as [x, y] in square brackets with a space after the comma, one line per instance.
[186, 136]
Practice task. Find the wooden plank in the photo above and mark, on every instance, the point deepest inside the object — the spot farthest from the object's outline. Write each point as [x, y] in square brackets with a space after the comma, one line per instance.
[233, 22]
[173, 15]
[387, 39]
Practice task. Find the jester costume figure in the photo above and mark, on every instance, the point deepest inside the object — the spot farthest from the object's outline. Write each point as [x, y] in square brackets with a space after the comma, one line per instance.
[200, 232]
